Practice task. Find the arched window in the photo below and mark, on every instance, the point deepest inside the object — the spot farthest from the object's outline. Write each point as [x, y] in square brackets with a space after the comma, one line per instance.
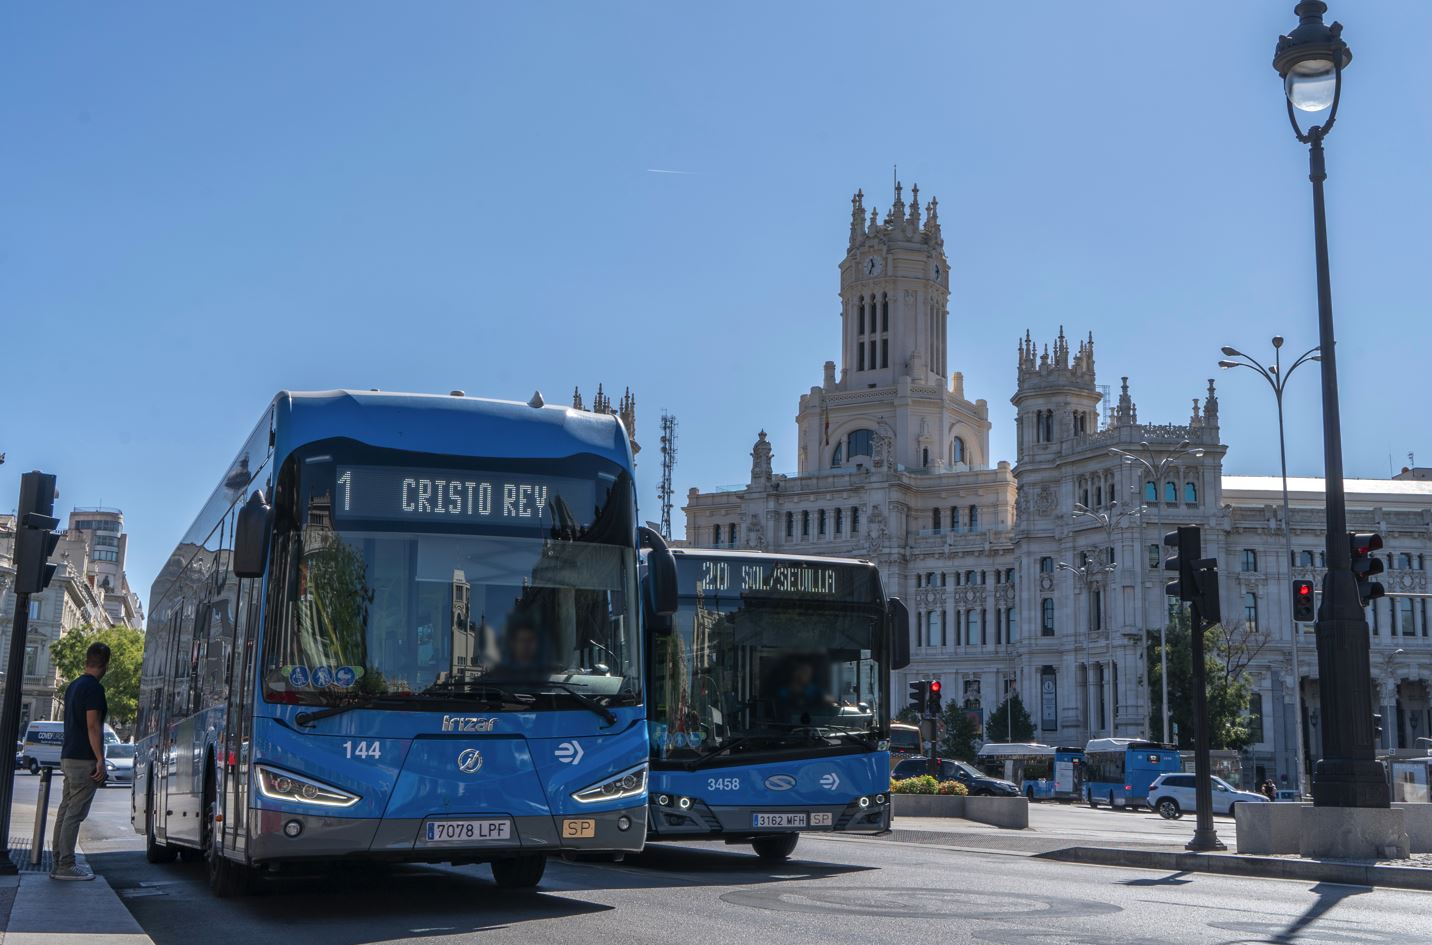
[1250, 610]
[969, 578]
[935, 519]
[1096, 617]
[862, 316]
[1099, 496]
[855, 520]
[1306, 559]
[974, 519]
[820, 522]
[838, 457]
[715, 534]
[1046, 565]
[1151, 492]
[839, 517]
[1046, 617]
[1049, 426]
[1190, 493]
[1170, 493]
[805, 523]
[790, 524]
[925, 456]
[1084, 497]
[731, 534]
[860, 443]
[884, 312]
[954, 518]
[971, 618]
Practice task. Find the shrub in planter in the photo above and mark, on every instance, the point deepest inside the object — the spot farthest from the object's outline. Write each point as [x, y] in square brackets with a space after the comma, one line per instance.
[923, 784]
[952, 787]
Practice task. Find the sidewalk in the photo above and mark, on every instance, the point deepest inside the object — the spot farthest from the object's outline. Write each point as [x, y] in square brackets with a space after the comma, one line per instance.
[40, 911]
[1150, 850]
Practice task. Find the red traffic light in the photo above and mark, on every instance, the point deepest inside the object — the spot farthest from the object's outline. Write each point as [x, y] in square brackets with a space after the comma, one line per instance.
[1305, 589]
[935, 686]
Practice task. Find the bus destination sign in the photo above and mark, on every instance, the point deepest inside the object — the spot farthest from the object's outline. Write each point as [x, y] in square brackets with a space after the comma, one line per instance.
[467, 497]
[772, 578]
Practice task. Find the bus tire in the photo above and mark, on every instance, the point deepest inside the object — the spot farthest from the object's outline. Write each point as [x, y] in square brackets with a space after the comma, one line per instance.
[226, 877]
[519, 872]
[776, 849]
[1111, 799]
[154, 851]
[1089, 797]
[1029, 793]
[34, 766]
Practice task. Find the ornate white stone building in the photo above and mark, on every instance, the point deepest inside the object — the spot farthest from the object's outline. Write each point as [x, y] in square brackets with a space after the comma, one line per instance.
[1008, 588]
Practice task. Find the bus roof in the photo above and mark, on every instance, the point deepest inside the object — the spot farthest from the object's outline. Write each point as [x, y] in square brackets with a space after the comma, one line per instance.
[435, 423]
[769, 556]
[1001, 749]
[1121, 744]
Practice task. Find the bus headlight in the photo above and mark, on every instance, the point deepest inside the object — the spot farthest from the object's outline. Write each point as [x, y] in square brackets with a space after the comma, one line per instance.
[284, 786]
[624, 784]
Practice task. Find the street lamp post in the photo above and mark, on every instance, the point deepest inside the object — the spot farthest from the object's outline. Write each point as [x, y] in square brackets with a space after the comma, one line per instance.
[1311, 60]
[1110, 521]
[1277, 379]
[1088, 573]
[1157, 468]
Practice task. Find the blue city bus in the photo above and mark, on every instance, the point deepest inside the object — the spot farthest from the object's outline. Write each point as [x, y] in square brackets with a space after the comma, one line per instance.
[770, 699]
[1119, 771]
[1043, 772]
[403, 627]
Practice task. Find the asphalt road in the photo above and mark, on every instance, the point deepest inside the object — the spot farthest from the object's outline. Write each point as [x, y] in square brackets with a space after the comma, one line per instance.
[835, 891]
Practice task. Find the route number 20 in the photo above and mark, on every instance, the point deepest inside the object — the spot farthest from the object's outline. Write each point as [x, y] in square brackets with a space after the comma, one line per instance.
[366, 750]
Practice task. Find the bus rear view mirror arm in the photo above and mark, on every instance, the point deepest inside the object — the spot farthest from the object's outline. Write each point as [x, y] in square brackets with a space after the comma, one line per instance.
[251, 537]
[661, 571]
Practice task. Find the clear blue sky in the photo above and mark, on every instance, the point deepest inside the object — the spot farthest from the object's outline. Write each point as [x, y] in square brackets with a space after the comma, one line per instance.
[201, 204]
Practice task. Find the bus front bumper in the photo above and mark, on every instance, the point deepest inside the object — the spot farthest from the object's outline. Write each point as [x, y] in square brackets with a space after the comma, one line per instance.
[700, 820]
[278, 836]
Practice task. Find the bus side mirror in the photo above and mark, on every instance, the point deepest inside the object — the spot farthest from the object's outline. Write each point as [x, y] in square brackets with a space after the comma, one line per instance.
[660, 589]
[897, 619]
[251, 535]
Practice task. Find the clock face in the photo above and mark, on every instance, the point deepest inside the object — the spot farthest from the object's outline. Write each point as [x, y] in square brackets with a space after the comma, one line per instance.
[873, 266]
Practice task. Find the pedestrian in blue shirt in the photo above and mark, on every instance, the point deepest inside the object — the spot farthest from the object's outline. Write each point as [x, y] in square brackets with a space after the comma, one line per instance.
[81, 759]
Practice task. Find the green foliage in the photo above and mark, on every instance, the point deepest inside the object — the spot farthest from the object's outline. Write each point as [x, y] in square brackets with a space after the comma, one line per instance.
[952, 787]
[921, 784]
[961, 735]
[1225, 659]
[121, 682]
[1010, 722]
[908, 716]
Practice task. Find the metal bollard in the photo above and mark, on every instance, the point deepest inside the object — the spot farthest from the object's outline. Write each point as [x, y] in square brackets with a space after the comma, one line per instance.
[42, 808]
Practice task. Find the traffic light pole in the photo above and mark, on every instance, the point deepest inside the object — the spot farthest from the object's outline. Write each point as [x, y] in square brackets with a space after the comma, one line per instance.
[1205, 837]
[10, 724]
[1348, 775]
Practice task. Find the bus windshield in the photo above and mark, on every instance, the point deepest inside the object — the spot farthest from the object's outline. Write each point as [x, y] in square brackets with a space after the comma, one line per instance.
[744, 673]
[413, 614]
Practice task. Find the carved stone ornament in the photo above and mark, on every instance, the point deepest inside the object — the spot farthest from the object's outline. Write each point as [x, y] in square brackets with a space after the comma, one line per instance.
[1044, 502]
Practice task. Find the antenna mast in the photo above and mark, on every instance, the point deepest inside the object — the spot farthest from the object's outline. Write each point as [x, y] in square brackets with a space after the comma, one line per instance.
[668, 465]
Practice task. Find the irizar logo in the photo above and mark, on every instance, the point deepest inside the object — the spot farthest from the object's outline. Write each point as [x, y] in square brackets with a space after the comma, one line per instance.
[469, 761]
[780, 782]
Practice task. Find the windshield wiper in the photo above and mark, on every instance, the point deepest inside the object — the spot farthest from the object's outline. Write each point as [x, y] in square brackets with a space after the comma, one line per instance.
[584, 700]
[701, 759]
[306, 719]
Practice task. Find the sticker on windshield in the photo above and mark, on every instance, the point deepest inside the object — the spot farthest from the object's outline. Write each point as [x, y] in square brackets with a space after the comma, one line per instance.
[345, 676]
[322, 677]
[298, 677]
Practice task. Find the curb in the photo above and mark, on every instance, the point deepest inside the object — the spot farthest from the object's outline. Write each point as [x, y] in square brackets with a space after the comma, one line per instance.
[1233, 864]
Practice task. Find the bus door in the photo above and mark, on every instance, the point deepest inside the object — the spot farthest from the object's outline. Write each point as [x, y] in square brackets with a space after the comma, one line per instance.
[239, 715]
[181, 804]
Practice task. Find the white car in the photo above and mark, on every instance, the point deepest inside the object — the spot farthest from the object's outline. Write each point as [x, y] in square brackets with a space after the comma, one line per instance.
[1173, 793]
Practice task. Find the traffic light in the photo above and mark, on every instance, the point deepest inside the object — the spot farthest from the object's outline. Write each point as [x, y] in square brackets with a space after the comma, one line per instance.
[919, 696]
[1186, 547]
[936, 692]
[1365, 565]
[1303, 602]
[35, 540]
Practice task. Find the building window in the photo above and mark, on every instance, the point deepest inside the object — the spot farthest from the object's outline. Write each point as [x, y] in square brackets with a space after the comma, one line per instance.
[1151, 493]
[1255, 717]
[34, 610]
[854, 520]
[820, 522]
[1155, 557]
[1405, 621]
[1250, 559]
[860, 443]
[924, 457]
[790, 524]
[1084, 497]
[1250, 610]
[974, 519]
[32, 660]
[731, 534]
[860, 356]
[884, 352]
[1011, 625]
[919, 628]
[861, 322]
[1096, 616]
[957, 451]
[1306, 559]
[838, 456]
[1109, 555]
[805, 523]
[943, 576]
[1404, 561]
[716, 535]
[1170, 494]
[935, 519]
[1046, 565]
[1190, 493]
[971, 618]
[884, 312]
[108, 541]
[1046, 617]
[839, 519]
[943, 640]
[970, 578]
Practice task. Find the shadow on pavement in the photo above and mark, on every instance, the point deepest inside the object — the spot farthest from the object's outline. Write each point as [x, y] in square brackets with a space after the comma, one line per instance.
[1172, 879]
[1329, 895]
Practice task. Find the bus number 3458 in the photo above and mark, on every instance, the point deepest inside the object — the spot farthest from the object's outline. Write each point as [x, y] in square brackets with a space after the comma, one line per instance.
[723, 784]
[366, 750]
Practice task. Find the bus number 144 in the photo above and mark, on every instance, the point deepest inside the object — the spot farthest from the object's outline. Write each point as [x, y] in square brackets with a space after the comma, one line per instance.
[365, 750]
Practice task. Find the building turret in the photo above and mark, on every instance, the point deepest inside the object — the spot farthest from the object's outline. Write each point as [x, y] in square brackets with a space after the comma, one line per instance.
[1057, 398]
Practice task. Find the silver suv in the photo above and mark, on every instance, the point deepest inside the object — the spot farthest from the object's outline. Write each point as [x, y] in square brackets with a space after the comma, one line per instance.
[1173, 793]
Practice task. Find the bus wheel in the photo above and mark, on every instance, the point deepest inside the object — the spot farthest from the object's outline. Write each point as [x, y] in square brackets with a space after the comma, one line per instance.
[34, 766]
[775, 849]
[1089, 796]
[226, 877]
[154, 851]
[1029, 793]
[1111, 799]
[519, 872]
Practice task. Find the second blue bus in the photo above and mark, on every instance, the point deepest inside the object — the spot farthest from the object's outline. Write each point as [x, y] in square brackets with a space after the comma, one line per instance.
[1119, 771]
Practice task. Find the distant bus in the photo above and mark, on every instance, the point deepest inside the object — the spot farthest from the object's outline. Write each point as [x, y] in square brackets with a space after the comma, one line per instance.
[1043, 772]
[406, 628]
[770, 700]
[905, 742]
[1119, 771]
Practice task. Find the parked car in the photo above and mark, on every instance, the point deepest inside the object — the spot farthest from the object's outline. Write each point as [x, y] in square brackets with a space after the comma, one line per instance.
[119, 763]
[1172, 794]
[975, 782]
[43, 741]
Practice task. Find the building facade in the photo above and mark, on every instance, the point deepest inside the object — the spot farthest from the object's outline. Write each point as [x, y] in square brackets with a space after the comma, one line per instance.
[1044, 578]
[103, 530]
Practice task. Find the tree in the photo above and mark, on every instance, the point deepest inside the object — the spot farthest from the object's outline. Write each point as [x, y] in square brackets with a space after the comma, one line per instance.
[1010, 721]
[908, 716]
[121, 682]
[961, 736]
[1227, 654]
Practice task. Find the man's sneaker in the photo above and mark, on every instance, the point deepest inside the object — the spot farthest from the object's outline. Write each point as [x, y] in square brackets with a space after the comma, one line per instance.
[71, 873]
